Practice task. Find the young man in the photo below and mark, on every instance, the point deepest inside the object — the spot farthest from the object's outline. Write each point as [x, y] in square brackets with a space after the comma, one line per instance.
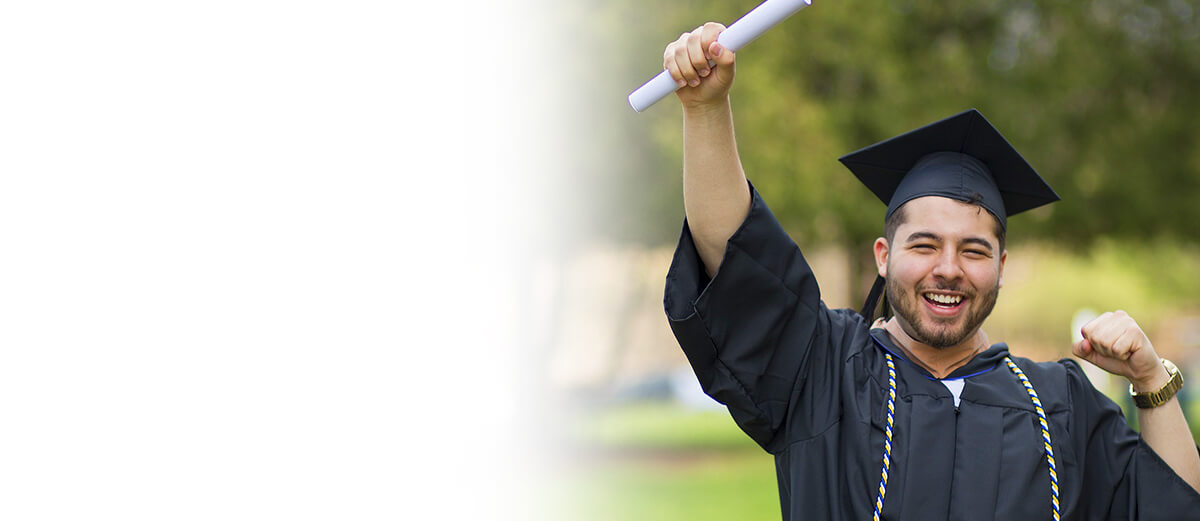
[916, 417]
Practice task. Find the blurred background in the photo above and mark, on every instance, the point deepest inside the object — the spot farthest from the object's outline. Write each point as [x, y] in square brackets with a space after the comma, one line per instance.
[379, 260]
[1100, 96]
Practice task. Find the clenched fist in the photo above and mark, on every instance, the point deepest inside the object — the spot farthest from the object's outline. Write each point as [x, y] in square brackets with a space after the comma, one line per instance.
[1114, 342]
[687, 59]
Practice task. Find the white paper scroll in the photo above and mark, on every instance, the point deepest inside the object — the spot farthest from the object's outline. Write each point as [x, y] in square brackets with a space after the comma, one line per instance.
[742, 32]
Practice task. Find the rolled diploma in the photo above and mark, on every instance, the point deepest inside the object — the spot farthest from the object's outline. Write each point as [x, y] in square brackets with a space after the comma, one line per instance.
[742, 32]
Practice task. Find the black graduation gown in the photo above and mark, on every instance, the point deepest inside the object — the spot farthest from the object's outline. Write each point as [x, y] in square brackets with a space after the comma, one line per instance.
[809, 385]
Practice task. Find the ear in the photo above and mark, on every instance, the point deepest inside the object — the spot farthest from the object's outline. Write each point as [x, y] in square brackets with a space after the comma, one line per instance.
[1003, 257]
[881, 256]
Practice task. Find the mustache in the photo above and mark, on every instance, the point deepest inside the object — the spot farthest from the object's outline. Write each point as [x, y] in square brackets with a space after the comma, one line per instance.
[946, 286]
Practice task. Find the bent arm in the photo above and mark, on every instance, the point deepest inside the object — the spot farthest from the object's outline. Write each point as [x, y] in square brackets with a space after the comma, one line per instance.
[1114, 342]
[756, 330]
[1166, 431]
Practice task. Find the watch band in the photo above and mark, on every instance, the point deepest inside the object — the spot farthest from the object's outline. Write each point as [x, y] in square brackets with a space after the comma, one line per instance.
[1152, 399]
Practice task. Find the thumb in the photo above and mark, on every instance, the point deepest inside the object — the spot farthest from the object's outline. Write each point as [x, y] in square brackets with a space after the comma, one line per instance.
[723, 59]
[1082, 349]
[720, 55]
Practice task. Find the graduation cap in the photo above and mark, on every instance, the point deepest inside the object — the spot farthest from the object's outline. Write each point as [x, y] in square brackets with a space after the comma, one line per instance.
[962, 157]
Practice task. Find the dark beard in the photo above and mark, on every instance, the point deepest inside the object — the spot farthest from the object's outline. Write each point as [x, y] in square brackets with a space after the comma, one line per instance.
[905, 305]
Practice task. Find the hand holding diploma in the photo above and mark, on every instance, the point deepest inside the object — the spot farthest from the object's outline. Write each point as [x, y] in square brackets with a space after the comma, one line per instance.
[700, 66]
[743, 31]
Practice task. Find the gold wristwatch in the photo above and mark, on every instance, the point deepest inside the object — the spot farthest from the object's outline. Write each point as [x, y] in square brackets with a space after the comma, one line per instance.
[1152, 399]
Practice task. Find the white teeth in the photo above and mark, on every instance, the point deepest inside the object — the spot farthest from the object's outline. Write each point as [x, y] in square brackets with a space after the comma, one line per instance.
[949, 300]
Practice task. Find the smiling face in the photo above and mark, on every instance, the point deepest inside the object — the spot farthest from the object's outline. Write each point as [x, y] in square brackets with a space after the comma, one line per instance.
[943, 267]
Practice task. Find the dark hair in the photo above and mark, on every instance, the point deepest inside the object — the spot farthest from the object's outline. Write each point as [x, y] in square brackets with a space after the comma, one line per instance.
[897, 218]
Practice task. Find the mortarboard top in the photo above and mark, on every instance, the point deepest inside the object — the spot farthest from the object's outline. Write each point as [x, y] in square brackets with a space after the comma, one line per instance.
[962, 157]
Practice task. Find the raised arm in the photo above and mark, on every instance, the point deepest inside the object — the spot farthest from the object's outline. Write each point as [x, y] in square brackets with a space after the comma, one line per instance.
[715, 194]
[1115, 343]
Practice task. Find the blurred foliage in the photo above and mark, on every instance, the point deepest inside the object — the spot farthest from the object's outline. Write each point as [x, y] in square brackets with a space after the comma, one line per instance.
[1099, 95]
[1044, 286]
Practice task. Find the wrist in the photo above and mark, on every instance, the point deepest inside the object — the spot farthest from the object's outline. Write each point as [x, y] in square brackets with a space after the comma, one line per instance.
[707, 109]
[1153, 380]
[1149, 397]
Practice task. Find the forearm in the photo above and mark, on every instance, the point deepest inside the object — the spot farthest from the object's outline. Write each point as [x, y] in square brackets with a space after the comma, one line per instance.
[716, 197]
[1165, 430]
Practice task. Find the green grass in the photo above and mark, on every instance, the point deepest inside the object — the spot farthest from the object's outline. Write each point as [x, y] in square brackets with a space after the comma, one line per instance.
[731, 487]
[659, 462]
[659, 425]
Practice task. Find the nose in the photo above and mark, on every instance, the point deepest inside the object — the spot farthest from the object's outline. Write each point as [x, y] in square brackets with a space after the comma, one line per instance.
[947, 266]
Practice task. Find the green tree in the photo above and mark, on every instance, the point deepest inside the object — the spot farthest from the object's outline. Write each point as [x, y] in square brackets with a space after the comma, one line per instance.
[1099, 96]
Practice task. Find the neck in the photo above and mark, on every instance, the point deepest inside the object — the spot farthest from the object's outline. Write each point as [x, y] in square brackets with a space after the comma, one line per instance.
[940, 362]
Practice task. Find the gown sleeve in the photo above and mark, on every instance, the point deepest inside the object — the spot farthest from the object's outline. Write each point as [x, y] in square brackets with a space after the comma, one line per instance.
[746, 332]
[1124, 478]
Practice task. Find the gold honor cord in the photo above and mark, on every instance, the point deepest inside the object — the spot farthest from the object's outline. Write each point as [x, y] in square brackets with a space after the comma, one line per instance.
[887, 432]
[1037, 406]
[887, 441]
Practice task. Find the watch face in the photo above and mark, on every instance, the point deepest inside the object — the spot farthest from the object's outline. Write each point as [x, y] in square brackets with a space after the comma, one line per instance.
[1171, 368]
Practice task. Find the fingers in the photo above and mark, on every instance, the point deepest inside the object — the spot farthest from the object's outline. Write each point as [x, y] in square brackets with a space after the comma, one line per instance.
[713, 50]
[687, 58]
[1114, 342]
[1100, 334]
[671, 65]
[683, 63]
[699, 59]
[671, 62]
[709, 33]
[1128, 342]
[1114, 335]
[1095, 333]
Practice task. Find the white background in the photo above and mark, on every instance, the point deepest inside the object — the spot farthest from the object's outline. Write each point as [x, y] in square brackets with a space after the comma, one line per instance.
[258, 258]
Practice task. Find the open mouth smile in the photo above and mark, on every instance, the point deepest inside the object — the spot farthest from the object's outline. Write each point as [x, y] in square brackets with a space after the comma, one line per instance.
[944, 303]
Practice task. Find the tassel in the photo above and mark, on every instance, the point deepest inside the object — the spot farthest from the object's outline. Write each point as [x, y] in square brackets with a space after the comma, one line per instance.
[868, 310]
